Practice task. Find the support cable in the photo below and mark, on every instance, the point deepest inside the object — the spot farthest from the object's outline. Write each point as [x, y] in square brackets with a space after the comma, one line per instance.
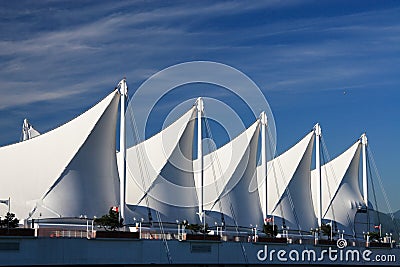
[228, 195]
[372, 160]
[374, 193]
[142, 164]
[287, 192]
[165, 242]
[146, 174]
[342, 201]
[212, 149]
[276, 182]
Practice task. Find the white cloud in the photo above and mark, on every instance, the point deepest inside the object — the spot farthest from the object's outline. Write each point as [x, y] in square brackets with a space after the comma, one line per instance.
[142, 41]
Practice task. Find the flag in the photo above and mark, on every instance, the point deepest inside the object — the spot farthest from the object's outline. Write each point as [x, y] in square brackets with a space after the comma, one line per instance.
[377, 226]
[115, 208]
[5, 201]
[270, 219]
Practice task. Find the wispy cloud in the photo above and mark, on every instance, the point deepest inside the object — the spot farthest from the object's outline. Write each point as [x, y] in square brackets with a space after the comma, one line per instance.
[88, 50]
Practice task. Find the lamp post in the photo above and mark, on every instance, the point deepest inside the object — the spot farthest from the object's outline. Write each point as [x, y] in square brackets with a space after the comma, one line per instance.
[94, 218]
[87, 226]
[273, 225]
[179, 230]
[140, 228]
[252, 233]
[183, 227]
[219, 229]
[315, 233]
[255, 233]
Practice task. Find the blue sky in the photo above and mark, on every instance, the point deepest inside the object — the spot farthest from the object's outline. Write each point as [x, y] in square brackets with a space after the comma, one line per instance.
[332, 62]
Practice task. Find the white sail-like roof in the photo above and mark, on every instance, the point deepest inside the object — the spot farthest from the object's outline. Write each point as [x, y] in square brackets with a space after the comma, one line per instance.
[66, 172]
[230, 179]
[341, 194]
[289, 186]
[160, 172]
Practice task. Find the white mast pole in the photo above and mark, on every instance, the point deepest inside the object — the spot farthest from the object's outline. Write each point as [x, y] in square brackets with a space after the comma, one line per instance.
[364, 142]
[25, 130]
[123, 89]
[318, 132]
[263, 118]
[200, 109]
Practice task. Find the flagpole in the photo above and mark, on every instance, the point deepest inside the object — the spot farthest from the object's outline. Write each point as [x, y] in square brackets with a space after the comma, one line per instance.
[8, 221]
[273, 224]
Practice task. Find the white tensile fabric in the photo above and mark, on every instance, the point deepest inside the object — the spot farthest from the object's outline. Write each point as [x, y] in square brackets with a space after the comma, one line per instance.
[72, 171]
[68, 171]
[341, 194]
[230, 180]
[289, 186]
[160, 172]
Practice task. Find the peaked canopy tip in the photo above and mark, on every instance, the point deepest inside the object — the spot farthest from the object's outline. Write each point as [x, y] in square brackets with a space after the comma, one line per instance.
[200, 104]
[122, 86]
[364, 139]
[317, 129]
[263, 118]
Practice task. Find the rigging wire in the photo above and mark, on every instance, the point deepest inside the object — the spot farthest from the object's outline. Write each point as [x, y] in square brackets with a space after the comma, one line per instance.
[212, 149]
[372, 161]
[165, 242]
[142, 164]
[208, 129]
[325, 167]
[343, 204]
[276, 182]
[147, 174]
[389, 207]
[287, 192]
[373, 191]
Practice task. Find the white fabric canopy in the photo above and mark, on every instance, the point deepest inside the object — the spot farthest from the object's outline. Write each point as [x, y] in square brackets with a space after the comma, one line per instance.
[289, 186]
[230, 179]
[160, 172]
[66, 172]
[72, 171]
[341, 194]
